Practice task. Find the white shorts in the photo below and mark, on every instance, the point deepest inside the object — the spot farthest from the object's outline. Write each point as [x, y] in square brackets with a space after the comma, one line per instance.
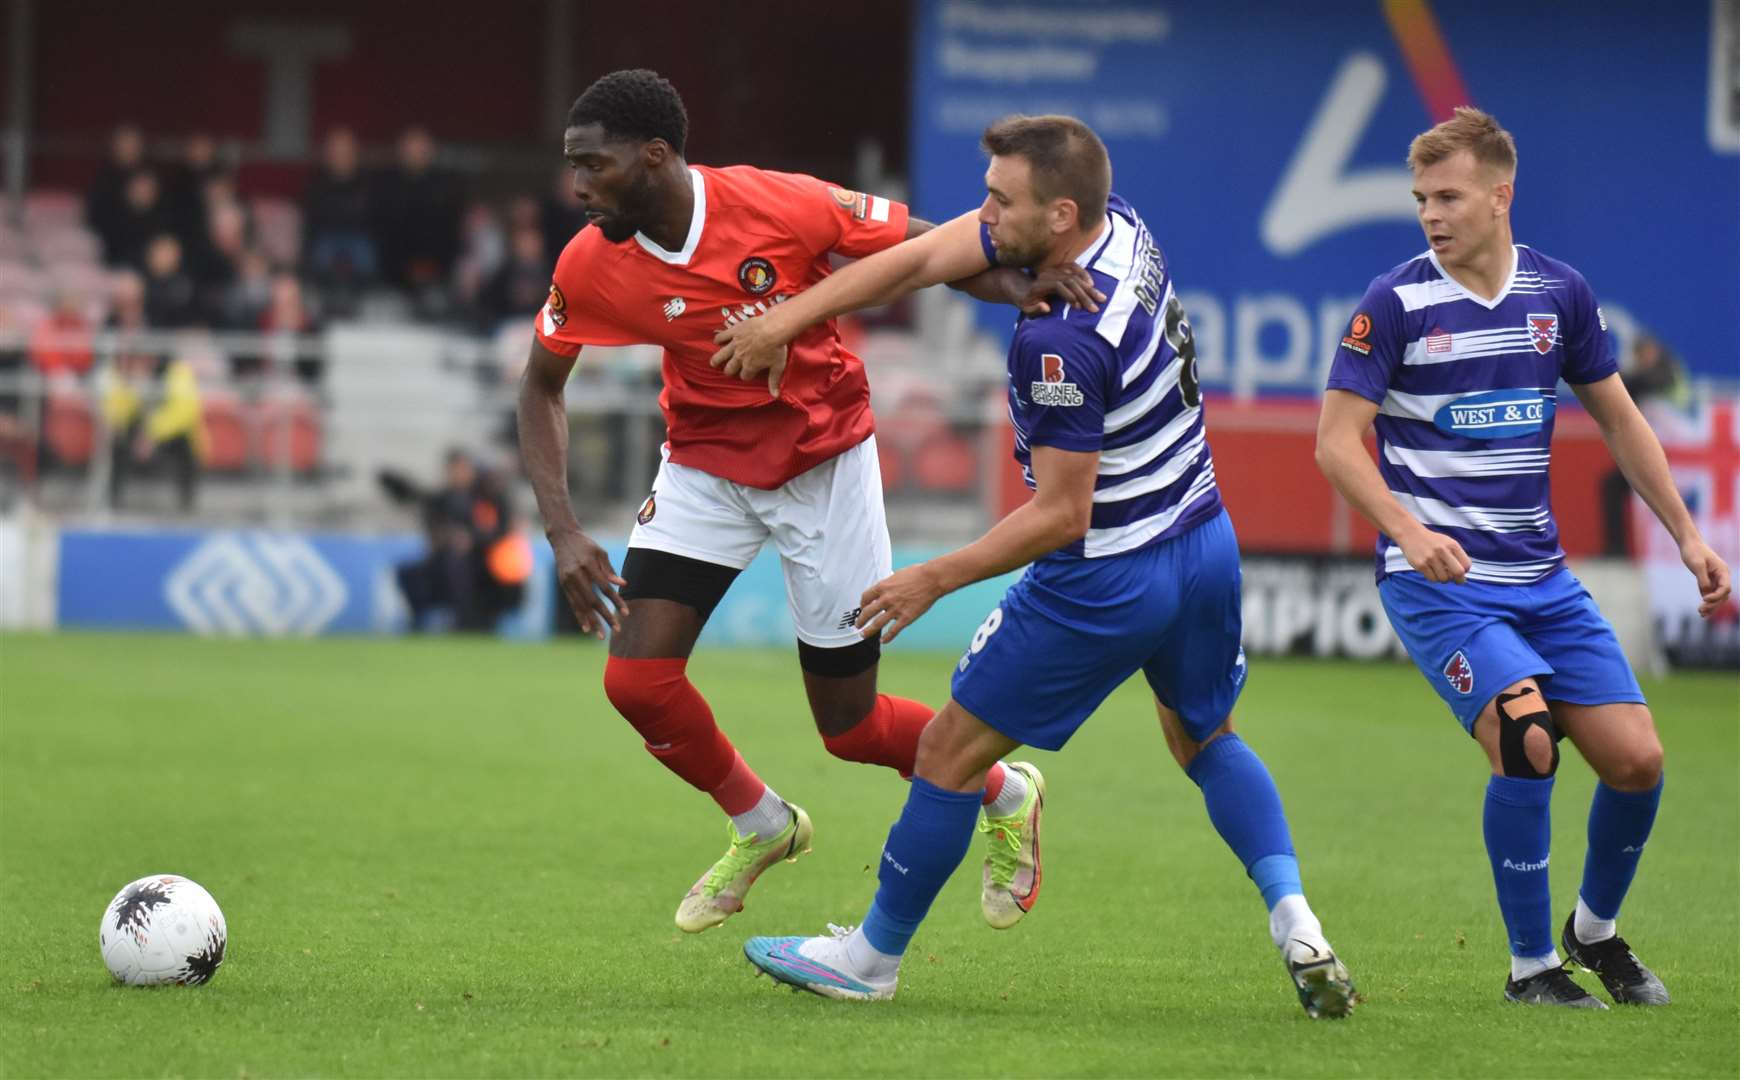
[827, 525]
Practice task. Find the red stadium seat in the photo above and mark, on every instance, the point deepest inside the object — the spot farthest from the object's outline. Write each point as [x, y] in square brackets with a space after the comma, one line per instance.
[893, 467]
[946, 463]
[226, 435]
[69, 428]
[287, 430]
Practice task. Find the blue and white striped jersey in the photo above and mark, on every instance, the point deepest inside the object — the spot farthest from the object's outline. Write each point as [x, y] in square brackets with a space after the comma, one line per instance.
[1466, 391]
[1121, 381]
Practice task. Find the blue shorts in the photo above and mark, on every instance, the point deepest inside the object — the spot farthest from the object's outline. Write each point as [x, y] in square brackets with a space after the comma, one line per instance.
[1071, 631]
[1473, 640]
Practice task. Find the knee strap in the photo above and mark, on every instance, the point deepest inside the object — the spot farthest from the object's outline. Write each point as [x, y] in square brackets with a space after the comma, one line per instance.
[1516, 714]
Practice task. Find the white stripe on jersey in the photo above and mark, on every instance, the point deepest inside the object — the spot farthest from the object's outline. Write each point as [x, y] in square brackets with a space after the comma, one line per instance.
[1492, 519]
[1102, 542]
[1165, 476]
[1499, 573]
[878, 208]
[1443, 463]
[1426, 406]
[1130, 412]
[1426, 293]
[1470, 345]
[1134, 371]
[1118, 258]
[1123, 459]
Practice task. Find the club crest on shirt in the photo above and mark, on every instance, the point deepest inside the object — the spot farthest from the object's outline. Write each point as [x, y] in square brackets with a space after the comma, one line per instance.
[756, 275]
[1357, 335]
[1543, 332]
[648, 509]
[1051, 389]
[1460, 673]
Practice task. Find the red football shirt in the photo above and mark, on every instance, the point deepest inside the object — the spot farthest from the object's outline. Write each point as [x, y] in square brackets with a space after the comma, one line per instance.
[757, 238]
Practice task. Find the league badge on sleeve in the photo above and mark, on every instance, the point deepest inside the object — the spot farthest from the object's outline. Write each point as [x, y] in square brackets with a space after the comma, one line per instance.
[1358, 337]
[1460, 673]
[555, 308]
[1543, 332]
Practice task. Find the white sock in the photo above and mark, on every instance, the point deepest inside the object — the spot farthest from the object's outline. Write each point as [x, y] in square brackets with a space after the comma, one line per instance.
[1589, 927]
[1521, 967]
[766, 818]
[1009, 799]
[1293, 917]
[869, 961]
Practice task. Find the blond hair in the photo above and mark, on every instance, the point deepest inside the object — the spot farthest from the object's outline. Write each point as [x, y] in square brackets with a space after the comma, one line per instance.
[1471, 130]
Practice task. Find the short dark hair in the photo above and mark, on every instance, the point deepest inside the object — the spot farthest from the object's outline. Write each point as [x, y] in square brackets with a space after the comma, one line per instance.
[1067, 158]
[636, 103]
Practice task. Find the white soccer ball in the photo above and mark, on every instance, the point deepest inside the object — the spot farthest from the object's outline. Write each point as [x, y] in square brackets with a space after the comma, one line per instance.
[163, 929]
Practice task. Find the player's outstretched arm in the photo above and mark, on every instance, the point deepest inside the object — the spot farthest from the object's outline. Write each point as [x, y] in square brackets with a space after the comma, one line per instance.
[948, 252]
[582, 566]
[1342, 458]
[1639, 455]
[1058, 515]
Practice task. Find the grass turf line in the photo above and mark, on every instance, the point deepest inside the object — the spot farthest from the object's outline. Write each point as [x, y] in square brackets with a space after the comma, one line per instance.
[450, 857]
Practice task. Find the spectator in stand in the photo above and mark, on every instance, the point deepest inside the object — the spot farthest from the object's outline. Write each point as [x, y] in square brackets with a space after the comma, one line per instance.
[60, 348]
[561, 214]
[338, 245]
[184, 188]
[418, 216]
[1653, 373]
[171, 299]
[106, 202]
[142, 217]
[154, 413]
[215, 262]
[483, 247]
[286, 319]
[249, 293]
[523, 282]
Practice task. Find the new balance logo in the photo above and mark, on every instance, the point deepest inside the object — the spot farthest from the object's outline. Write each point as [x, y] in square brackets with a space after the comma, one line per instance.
[849, 619]
[675, 308]
[1525, 866]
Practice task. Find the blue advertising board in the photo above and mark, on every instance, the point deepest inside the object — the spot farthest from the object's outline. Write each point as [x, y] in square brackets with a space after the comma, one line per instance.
[1264, 143]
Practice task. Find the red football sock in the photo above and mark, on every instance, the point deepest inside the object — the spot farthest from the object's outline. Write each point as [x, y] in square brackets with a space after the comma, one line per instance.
[889, 736]
[657, 698]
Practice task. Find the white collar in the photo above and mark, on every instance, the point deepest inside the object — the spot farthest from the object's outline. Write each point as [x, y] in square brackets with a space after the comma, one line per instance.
[1097, 244]
[681, 258]
[1515, 261]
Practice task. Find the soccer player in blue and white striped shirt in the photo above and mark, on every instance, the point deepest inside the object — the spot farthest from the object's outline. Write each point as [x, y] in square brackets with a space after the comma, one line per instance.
[1456, 356]
[1132, 563]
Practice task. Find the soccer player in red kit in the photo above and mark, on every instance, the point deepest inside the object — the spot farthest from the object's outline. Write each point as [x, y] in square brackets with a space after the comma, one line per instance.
[674, 253]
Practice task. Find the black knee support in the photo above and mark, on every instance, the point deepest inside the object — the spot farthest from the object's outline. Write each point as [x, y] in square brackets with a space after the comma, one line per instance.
[1515, 717]
[840, 663]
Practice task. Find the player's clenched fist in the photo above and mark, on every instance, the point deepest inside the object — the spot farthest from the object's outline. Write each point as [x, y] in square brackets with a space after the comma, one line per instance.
[1437, 556]
[588, 580]
[891, 605]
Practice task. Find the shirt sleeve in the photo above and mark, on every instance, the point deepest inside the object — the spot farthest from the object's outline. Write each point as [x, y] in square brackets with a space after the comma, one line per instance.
[832, 218]
[1371, 350]
[1063, 383]
[1589, 352]
[573, 314]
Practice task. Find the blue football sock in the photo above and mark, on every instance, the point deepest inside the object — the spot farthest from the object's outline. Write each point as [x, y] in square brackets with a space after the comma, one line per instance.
[1619, 824]
[1518, 826]
[924, 847]
[1246, 810]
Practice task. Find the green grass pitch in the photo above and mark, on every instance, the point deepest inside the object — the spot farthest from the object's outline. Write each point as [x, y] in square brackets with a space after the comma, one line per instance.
[451, 858]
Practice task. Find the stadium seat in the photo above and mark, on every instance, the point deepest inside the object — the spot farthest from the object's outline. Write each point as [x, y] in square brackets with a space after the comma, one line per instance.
[945, 463]
[287, 431]
[69, 428]
[66, 244]
[47, 210]
[889, 457]
[226, 435]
